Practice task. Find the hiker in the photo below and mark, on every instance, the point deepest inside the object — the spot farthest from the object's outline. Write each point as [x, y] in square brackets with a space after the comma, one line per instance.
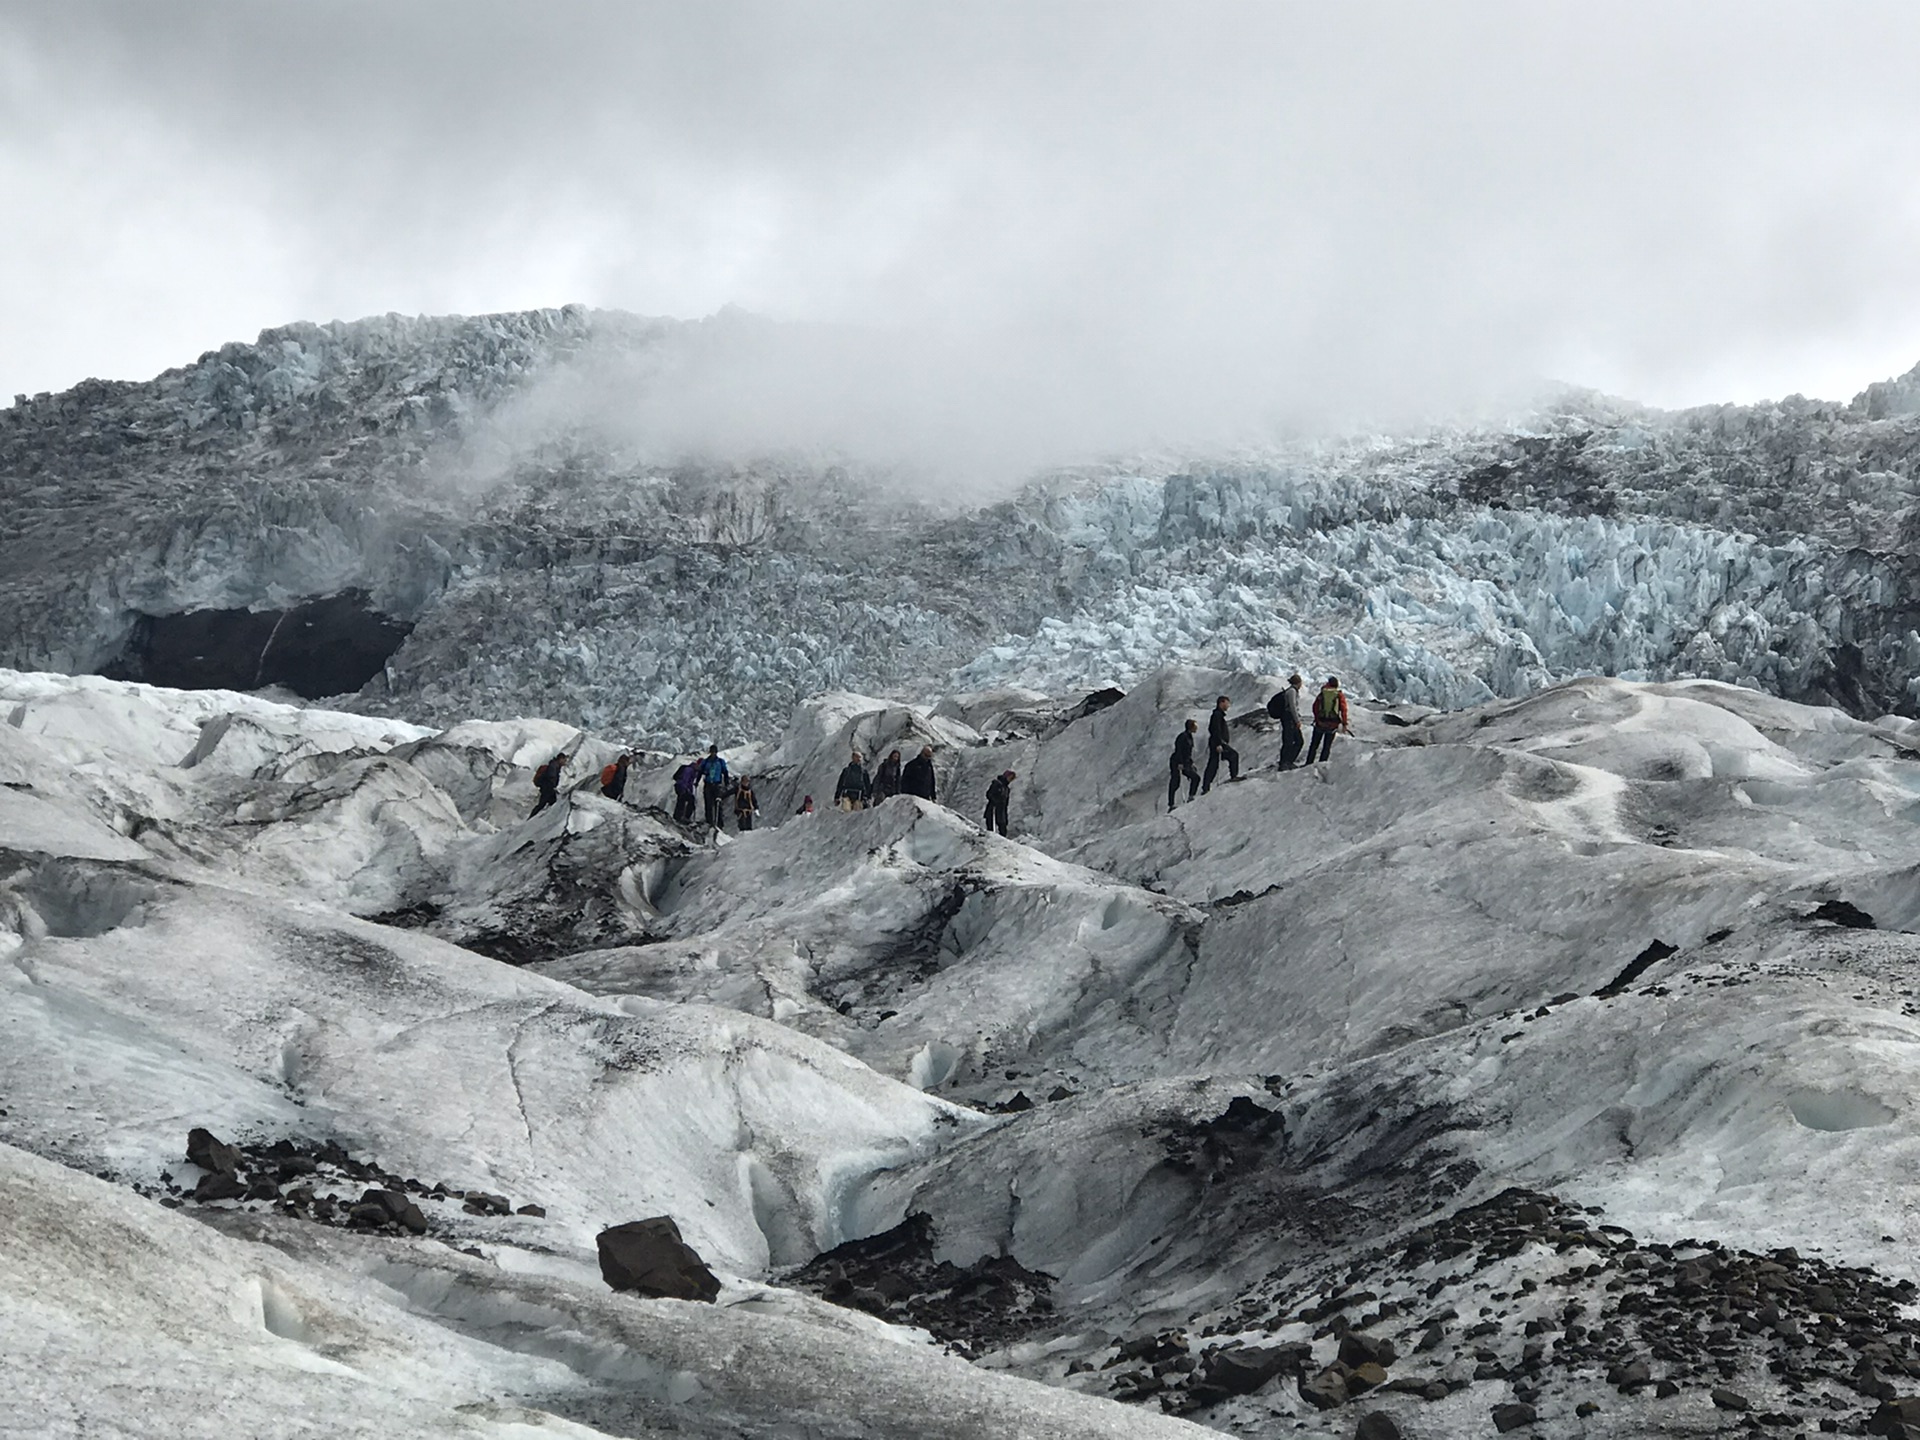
[918, 774]
[998, 794]
[853, 788]
[713, 784]
[1217, 747]
[1180, 763]
[744, 808]
[917, 778]
[684, 780]
[886, 780]
[806, 808]
[1285, 707]
[547, 781]
[1329, 719]
[613, 777]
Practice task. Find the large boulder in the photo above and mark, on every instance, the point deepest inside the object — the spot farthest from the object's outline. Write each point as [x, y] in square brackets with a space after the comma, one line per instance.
[649, 1258]
[211, 1153]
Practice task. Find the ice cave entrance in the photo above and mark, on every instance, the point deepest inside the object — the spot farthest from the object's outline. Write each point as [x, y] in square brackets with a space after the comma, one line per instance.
[329, 646]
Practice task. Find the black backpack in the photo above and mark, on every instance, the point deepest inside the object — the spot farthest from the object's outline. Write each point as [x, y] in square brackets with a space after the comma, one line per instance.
[1274, 707]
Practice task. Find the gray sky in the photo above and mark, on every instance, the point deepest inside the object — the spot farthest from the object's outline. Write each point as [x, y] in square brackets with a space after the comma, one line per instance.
[1170, 218]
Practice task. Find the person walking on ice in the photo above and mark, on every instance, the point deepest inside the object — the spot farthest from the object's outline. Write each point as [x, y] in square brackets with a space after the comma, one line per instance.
[854, 787]
[685, 780]
[998, 795]
[745, 807]
[1285, 707]
[713, 784]
[1217, 747]
[917, 777]
[1329, 719]
[613, 776]
[547, 781]
[1180, 763]
[886, 780]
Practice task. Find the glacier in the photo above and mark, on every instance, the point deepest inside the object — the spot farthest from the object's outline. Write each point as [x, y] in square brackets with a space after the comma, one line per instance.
[501, 507]
[1542, 1064]
[1523, 1044]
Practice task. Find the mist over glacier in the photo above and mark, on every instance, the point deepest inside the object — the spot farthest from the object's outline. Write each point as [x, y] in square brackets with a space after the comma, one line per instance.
[1006, 389]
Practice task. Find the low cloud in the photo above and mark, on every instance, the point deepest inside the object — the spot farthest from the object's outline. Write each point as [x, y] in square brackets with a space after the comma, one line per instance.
[1016, 235]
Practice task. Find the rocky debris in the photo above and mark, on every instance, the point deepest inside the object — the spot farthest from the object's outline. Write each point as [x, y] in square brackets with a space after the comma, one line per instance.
[1324, 1391]
[210, 1153]
[975, 1308]
[1243, 1369]
[1512, 1417]
[1377, 1425]
[1899, 1418]
[317, 1181]
[649, 1258]
[1238, 1135]
[1533, 1295]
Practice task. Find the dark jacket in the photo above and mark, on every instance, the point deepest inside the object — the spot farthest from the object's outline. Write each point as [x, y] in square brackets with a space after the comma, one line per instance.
[686, 777]
[853, 784]
[886, 780]
[1217, 729]
[1182, 757]
[916, 778]
[998, 792]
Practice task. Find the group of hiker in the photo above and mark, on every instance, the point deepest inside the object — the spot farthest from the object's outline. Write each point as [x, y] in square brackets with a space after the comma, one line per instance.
[708, 783]
[719, 790]
[856, 789]
[1329, 717]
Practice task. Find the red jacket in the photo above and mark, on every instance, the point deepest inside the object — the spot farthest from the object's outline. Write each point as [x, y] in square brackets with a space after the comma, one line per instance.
[1320, 720]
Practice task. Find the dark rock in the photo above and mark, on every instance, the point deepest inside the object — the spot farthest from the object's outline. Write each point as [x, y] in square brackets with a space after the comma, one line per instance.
[649, 1258]
[1630, 1376]
[1895, 1417]
[1665, 1390]
[370, 1216]
[1512, 1417]
[1363, 1378]
[391, 1203]
[1432, 1339]
[1377, 1425]
[1359, 1349]
[294, 1166]
[1730, 1400]
[220, 1185]
[1245, 1368]
[263, 1189]
[1586, 1408]
[539, 1212]
[1325, 1391]
[209, 1153]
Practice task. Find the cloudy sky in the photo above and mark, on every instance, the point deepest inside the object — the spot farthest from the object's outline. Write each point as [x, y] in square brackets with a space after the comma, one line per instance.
[1195, 212]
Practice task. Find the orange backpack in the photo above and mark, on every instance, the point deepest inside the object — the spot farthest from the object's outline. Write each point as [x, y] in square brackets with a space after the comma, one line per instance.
[607, 772]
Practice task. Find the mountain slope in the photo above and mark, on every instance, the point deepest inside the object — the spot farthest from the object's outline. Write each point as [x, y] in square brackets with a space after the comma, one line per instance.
[503, 499]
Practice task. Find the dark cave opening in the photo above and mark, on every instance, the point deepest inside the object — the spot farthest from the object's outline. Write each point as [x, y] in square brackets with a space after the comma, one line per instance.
[329, 646]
